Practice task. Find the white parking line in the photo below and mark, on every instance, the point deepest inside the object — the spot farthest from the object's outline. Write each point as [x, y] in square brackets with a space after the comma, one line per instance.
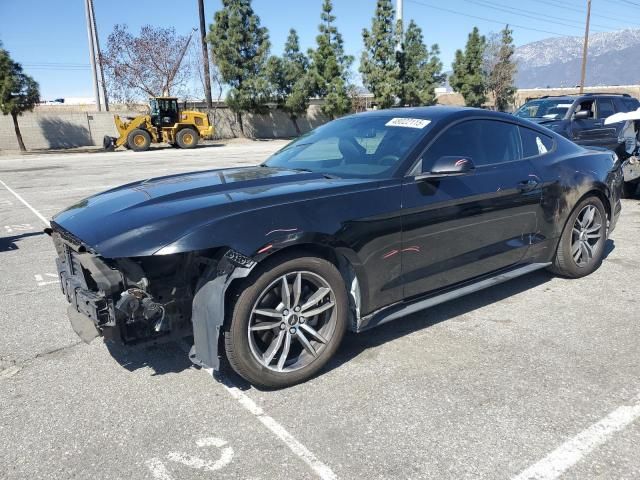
[40, 279]
[25, 203]
[323, 471]
[573, 450]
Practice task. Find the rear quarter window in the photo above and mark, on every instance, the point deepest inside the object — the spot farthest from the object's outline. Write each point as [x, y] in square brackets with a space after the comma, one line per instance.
[605, 107]
[631, 104]
[534, 143]
[621, 105]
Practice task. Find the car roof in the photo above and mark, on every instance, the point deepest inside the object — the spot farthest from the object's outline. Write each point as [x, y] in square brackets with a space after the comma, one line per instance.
[433, 113]
[553, 97]
[576, 96]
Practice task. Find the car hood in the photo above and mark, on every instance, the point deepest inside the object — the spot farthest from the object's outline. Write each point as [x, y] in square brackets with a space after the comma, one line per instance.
[140, 218]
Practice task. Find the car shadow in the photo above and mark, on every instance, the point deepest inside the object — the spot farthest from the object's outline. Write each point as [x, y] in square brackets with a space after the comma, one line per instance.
[173, 358]
[163, 358]
[355, 344]
[609, 247]
[9, 243]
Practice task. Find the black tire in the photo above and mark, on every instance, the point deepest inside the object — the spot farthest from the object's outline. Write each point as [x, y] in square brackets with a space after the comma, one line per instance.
[108, 143]
[629, 189]
[238, 345]
[187, 138]
[138, 140]
[564, 262]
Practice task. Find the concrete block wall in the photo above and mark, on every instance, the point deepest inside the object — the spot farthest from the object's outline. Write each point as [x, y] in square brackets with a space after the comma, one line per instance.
[7, 135]
[49, 130]
[56, 131]
[273, 124]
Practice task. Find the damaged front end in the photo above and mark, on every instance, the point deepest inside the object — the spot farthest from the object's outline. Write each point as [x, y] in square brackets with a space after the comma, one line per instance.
[147, 300]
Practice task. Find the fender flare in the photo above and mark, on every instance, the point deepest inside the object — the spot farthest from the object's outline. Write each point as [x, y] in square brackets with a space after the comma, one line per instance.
[208, 307]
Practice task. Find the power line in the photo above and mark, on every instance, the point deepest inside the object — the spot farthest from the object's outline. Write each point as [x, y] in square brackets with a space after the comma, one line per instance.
[499, 22]
[524, 13]
[629, 2]
[537, 16]
[626, 3]
[57, 64]
[57, 69]
[560, 4]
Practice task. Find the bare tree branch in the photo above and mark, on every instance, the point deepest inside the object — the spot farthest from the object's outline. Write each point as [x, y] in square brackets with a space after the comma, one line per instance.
[150, 64]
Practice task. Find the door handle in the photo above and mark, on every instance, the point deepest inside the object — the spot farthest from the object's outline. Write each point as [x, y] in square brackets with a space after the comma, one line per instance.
[528, 185]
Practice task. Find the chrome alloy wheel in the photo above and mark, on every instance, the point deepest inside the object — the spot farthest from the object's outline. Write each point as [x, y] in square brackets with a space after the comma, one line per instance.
[292, 321]
[586, 235]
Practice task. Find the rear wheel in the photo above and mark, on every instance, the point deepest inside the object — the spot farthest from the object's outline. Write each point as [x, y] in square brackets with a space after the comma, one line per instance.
[581, 245]
[139, 140]
[187, 138]
[287, 322]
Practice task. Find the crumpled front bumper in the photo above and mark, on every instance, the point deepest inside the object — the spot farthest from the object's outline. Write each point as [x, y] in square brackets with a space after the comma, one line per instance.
[92, 305]
[87, 283]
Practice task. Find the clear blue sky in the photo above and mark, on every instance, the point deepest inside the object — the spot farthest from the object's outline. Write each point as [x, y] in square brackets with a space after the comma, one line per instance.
[49, 36]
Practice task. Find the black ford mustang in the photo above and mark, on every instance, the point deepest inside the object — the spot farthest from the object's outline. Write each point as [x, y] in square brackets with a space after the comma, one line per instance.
[362, 221]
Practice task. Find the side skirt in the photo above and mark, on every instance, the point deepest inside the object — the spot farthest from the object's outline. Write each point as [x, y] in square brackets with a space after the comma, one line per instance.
[403, 309]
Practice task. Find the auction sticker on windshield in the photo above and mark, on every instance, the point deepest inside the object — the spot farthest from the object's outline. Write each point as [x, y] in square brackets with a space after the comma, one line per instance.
[408, 122]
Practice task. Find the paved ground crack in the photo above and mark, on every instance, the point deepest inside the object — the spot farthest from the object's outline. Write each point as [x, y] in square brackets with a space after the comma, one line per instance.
[9, 367]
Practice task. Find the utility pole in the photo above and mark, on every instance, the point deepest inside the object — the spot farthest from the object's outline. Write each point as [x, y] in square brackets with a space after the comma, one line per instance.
[205, 55]
[585, 48]
[92, 55]
[99, 52]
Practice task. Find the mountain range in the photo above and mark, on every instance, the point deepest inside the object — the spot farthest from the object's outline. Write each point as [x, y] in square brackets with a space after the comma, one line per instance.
[556, 62]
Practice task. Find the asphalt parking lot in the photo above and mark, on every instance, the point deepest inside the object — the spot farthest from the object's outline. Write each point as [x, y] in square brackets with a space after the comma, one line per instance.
[537, 378]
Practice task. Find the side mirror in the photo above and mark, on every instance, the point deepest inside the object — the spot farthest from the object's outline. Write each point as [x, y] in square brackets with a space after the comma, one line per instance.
[582, 115]
[449, 166]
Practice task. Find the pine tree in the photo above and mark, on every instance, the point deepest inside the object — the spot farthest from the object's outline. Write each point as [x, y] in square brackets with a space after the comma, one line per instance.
[240, 50]
[329, 69]
[421, 69]
[18, 92]
[501, 69]
[378, 65]
[468, 77]
[289, 79]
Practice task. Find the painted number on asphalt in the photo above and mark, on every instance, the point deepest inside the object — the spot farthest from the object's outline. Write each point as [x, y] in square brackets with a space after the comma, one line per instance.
[46, 279]
[21, 227]
[159, 470]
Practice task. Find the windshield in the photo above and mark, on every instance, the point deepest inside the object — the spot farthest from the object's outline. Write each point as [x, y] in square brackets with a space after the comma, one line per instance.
[358, 146]
[553, 109]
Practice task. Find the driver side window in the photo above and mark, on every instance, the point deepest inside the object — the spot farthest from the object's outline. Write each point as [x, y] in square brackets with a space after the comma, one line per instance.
[486, 142]
[586, 105]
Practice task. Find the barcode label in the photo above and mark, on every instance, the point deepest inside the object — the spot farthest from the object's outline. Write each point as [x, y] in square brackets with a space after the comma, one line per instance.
[408, 122]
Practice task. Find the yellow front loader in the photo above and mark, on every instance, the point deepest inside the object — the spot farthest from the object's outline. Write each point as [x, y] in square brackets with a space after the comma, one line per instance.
[166, 123]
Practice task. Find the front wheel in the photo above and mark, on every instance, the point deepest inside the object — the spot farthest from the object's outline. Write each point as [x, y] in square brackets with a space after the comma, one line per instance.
[581, 245]
[287, 321]
[139, 140]
[187, 138]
